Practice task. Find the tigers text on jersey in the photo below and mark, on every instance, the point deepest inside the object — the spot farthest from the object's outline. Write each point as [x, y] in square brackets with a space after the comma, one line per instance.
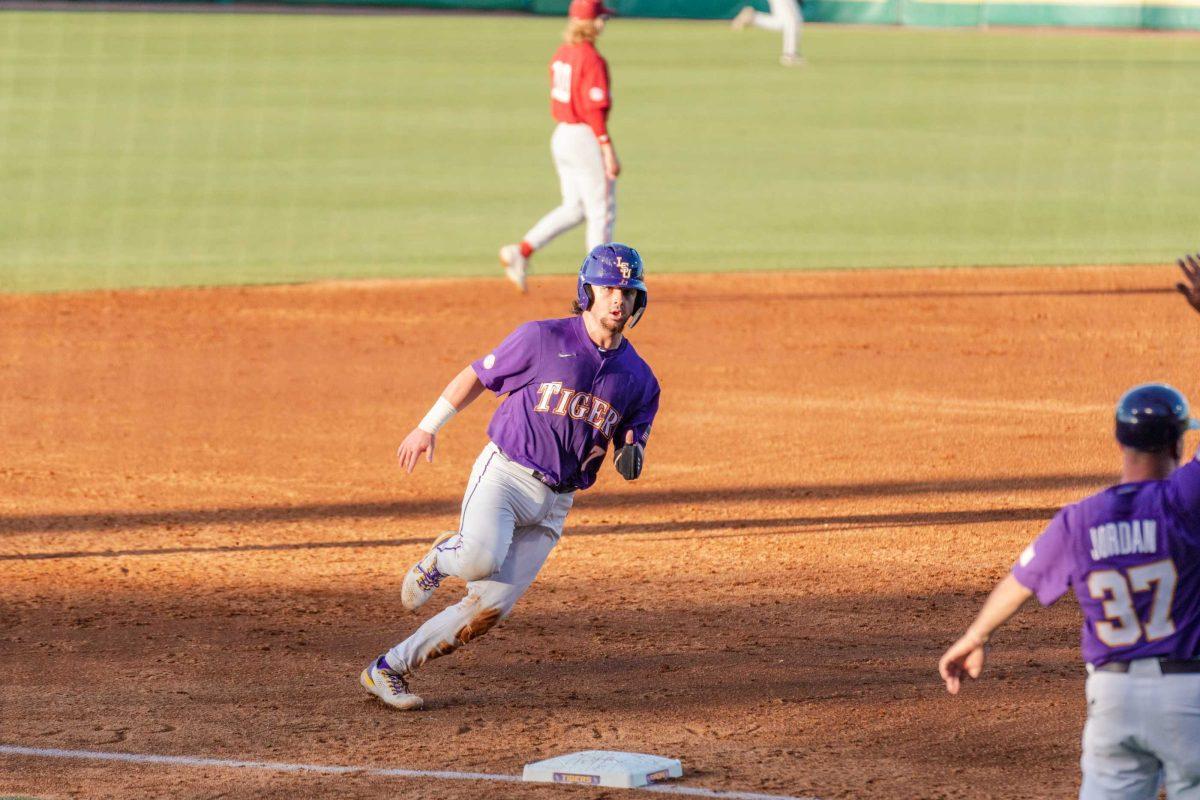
[566, 399]
[1132, 555]
[579, 89]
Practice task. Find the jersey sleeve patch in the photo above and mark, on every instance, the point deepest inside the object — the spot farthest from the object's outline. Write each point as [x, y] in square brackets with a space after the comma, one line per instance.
[489, 361]
[1046, 565]
[596, 94]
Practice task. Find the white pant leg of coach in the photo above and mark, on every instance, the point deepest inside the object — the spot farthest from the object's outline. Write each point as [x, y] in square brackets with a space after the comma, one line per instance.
[509, 520]
[1115, 762]
[570, 212]
[1142, 725]
[1174, 731]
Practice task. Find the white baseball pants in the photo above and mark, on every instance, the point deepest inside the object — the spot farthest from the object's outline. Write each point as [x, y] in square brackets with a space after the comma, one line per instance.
[1143, 727]
[785, 16]
[510, 522]
[587, 193]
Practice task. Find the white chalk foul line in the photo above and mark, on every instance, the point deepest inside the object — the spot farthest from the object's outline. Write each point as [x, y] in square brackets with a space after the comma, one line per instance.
[335, 769]
[271, 766]
[696, 791]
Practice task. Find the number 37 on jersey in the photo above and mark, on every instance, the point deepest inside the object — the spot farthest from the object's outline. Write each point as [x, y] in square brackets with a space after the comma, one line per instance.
[1116, 589]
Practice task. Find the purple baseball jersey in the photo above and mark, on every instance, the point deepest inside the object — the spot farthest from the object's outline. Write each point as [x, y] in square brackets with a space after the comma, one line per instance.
[1132, 555]
[566, 399]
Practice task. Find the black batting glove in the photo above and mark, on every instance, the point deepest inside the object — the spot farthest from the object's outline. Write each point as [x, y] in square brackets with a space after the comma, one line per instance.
[628, 458]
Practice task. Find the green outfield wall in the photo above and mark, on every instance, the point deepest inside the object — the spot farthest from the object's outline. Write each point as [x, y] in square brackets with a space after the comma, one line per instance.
[961, 13]
[1157, 15]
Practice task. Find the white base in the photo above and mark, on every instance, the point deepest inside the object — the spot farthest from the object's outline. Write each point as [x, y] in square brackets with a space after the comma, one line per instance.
[604, 768]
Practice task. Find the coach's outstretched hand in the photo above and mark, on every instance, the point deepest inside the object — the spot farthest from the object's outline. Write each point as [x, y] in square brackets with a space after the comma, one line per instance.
[965, 658]
[1190, 264]
[414, 444]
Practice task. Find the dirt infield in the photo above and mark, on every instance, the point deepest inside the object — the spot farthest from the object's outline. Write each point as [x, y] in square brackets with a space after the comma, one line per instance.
[202, 533]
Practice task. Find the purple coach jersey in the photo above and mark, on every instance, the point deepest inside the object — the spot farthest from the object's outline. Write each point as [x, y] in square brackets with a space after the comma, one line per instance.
[566, 399]
[1132, 555]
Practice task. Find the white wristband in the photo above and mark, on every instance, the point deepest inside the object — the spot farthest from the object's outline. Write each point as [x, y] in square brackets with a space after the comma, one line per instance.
[438, 416]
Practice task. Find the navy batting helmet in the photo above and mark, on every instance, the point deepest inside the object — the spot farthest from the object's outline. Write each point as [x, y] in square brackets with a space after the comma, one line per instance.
[1152, 416]
[613, 264]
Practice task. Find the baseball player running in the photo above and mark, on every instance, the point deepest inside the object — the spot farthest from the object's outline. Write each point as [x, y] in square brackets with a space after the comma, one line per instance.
[583, 151]
[1132, 555]
[573, 386]
[785, 16]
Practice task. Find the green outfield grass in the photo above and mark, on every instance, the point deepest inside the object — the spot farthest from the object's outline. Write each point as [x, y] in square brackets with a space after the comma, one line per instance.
[158, 149]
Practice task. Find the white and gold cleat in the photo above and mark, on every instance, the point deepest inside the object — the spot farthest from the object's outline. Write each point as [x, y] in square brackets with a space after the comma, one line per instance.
[515, 265]
[421, 581]
[389, 686]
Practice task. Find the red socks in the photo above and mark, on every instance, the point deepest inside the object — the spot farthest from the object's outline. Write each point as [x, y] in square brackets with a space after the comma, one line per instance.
[526, 248]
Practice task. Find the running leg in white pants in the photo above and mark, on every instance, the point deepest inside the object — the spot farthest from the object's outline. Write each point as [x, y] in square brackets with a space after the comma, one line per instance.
[487, 602]
[785, 16]
[587, 193]
[510, 523]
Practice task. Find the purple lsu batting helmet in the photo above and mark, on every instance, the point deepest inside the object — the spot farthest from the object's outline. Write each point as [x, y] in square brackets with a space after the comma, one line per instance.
[613, 264]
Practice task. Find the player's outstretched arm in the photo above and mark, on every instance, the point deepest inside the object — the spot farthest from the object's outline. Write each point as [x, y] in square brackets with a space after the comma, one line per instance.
[967, 655]
[1190, 288]
[457, 395]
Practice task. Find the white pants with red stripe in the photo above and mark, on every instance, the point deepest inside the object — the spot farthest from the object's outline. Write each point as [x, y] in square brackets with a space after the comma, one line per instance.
[785, 16]
[587, 193]
[510, 522]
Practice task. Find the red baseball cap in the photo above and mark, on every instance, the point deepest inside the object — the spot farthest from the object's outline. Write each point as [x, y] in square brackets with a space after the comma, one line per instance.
[588, 9]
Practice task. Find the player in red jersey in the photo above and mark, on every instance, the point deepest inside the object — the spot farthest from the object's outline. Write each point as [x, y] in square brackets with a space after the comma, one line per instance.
[583, 151]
